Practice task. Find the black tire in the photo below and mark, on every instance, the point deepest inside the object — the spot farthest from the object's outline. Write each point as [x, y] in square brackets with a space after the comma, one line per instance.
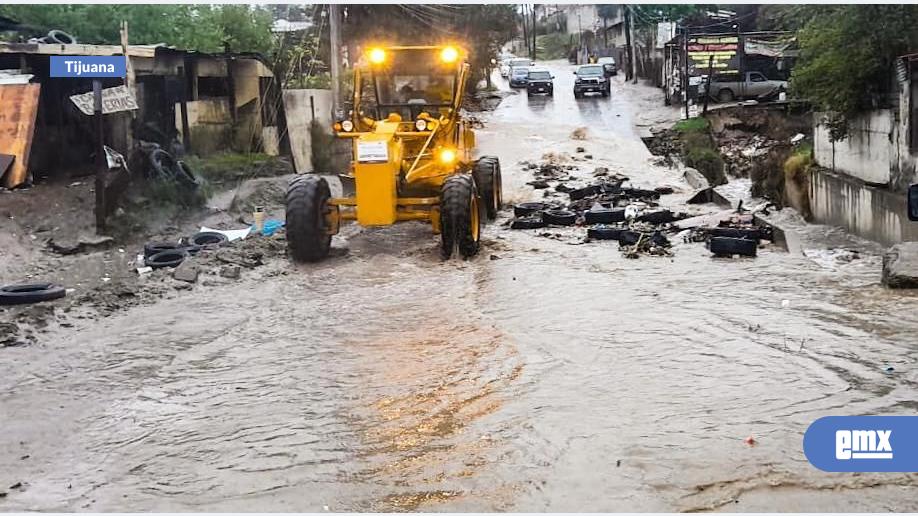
[640, 193]
[185, 176]
[629, 237]
[487, 177]
[151, 248]
[604, 233]
[581, 193]
[528, 93]
[657, 217]
[168, 258]
[208, 238]
[162, 165]
[725, 95]
[528, 208]
[30, 293]
[726, 246]
[577, 94]
[460, 225]
[559, 217]
[605, 215]
[528, 222]
[60, 37]
[307, 204]
[748, 234]
[605, 93]
[551, 93]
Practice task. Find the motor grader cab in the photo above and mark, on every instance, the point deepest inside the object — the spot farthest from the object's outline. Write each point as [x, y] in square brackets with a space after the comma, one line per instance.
[412, 157]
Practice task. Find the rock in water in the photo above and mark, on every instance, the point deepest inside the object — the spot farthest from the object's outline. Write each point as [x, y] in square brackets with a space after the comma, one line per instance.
[187, 271]
[900, 266]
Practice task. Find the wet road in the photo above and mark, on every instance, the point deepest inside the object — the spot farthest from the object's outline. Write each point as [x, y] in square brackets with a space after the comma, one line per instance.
[558, 377]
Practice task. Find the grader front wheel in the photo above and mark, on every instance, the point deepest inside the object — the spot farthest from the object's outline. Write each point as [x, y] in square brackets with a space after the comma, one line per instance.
[460, 224]
[308, 237]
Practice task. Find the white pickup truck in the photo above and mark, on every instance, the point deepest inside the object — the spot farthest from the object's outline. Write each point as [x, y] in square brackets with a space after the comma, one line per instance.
[730, 86]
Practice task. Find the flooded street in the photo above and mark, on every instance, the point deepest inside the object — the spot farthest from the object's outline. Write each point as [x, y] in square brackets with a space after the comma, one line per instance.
[543, 375]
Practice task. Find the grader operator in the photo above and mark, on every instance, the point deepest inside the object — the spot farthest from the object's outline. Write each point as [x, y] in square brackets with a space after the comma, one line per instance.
[412, 157]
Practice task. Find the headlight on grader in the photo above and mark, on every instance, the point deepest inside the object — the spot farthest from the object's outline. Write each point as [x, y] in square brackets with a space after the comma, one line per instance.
[347, 126]
[420, 125]
[377, 56]
[449, 55]
[447, 156]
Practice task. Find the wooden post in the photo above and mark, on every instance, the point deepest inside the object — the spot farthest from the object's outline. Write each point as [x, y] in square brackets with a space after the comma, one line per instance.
[707, 91]
[101, 162]
[183, 107]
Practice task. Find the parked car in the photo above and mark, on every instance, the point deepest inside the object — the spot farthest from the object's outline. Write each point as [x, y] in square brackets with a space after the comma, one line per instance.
[539, 80]
[520, 62]
[728, 87]
[608, 66]
[518, 77]
[591, 79]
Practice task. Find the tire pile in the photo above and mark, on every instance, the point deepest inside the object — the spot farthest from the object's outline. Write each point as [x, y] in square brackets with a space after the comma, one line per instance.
[158, 255]
[735, 236]
[610, 210]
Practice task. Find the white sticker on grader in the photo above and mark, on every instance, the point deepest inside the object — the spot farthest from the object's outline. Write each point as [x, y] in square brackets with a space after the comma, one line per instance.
[372, 152]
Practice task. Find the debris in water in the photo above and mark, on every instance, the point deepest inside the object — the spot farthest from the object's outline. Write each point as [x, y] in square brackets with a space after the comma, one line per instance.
[579, 133]
[750, 441]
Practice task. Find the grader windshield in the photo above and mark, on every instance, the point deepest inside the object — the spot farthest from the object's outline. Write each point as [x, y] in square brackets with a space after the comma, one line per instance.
[411, 81]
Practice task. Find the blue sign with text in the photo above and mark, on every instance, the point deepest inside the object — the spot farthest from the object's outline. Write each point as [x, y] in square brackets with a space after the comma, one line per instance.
[863, 443]
[90, 67]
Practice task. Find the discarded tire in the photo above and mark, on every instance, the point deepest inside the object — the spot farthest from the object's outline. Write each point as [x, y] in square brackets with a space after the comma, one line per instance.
[657, 217]
[528, 222]
[162, 165]
[31, 293]
[559, 217]
[641, 193]
[748, 234]
[628, 237]
[604, 216]
[580, 193]
[60, 37]
[726, 246]
[151, 248]
[185, 176]
[170, 258]
[604, 233]
[528, 208]
[208, 238]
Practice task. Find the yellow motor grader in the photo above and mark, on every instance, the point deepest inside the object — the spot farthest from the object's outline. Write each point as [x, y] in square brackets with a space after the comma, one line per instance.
[412, 157]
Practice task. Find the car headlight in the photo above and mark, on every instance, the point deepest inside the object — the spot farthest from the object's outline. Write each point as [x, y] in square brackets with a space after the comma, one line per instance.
[347, 126]
[420, 124]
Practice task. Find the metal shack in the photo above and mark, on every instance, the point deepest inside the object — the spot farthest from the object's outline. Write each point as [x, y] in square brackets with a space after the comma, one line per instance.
[196, 102]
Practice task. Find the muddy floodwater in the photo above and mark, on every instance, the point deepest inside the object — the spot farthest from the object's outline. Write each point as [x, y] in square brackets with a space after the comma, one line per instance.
[543, 375]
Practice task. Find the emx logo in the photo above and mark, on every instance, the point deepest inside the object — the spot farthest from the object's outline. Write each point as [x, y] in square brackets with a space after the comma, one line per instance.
[863, 443]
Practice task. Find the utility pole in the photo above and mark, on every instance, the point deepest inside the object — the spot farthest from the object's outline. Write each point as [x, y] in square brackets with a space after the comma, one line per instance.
[534, 31]
[334, 12]
[525, 30]
[685, 78]
[629, 50]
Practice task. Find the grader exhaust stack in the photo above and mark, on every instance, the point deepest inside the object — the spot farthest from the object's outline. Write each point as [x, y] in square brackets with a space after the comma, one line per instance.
[412, 157]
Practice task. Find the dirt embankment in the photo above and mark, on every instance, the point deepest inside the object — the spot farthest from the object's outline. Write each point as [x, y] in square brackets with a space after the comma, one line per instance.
[48, 235]
[744, 141]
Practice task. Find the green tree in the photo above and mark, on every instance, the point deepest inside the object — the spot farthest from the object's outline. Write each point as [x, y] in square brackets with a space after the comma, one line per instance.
[195, 27]
[847, 57]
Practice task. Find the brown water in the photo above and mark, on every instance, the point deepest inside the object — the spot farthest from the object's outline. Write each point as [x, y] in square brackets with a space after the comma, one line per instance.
[558, 377]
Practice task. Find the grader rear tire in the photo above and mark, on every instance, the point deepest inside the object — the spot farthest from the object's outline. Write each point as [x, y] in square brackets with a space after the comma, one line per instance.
[307, 204]
[460, 224]
[487, 177]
